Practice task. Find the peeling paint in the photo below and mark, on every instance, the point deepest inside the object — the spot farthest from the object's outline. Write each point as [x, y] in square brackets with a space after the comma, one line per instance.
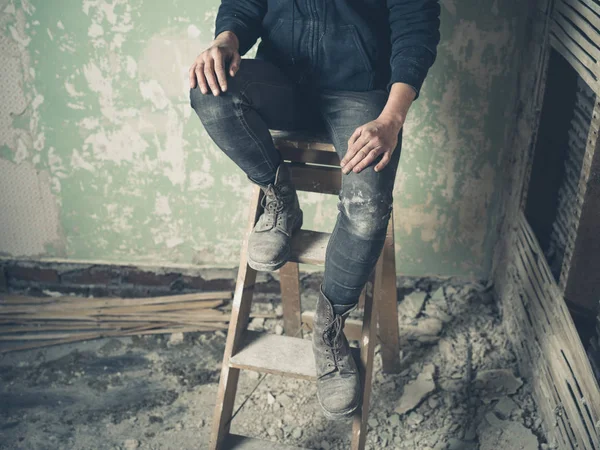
[94, 102]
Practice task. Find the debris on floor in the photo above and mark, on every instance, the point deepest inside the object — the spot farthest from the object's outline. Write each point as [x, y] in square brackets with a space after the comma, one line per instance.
[459, 387]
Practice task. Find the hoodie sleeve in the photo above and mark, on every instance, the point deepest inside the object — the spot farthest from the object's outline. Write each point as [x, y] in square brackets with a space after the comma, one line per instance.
[243, 18]
[415, 35]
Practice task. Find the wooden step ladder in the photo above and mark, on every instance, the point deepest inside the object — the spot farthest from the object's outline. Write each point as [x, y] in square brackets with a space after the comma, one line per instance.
[314, 167]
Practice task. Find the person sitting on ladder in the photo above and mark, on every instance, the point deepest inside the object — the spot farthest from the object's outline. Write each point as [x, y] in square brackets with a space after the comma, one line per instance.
[351, 68]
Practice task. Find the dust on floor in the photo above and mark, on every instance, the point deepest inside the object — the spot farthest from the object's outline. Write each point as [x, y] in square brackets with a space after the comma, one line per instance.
[459, 388]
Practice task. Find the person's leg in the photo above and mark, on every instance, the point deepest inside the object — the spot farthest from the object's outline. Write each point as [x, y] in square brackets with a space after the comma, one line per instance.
[365, 200]
[365, 203]
[258, 98]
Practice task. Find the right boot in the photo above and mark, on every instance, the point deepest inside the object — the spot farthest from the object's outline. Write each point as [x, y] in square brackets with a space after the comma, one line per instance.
[338, 378]
[269, 242]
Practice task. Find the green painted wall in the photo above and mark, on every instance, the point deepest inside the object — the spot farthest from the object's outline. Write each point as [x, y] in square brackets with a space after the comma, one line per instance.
[102, 159]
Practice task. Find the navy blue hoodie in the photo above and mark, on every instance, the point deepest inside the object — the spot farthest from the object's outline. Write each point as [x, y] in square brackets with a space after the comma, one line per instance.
[354, 45]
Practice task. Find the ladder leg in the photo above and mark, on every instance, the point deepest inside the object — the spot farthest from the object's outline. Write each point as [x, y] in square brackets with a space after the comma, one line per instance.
[240, 313]
[386, 305]
[367, 347]
[289, 277]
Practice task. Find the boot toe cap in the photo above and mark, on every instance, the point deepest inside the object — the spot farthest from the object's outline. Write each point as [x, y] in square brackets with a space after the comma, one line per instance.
[269, 250]
[339, 397]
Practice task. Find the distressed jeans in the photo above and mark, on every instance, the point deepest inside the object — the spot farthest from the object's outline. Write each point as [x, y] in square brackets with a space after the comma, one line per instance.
[259, 98]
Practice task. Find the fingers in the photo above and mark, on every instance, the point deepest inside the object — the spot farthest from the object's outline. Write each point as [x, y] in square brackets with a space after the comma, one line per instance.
[235, 64]
[362, 158]
[384, 161]
[351, 147]
[200, 77]
[219, 66]
[360, 149]
[208, 71]
[211, 79]
[357, 133]
[192, 74]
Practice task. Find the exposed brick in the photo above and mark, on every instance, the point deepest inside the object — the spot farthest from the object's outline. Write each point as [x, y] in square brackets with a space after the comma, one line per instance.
[149, 278]
[220, 284]
[36, 274]
[90, 276]
[196, 282]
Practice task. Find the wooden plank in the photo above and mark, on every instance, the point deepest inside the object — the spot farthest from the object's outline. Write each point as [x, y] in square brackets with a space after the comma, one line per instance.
[312, 178]
[289, 281]
[589, 9]
[308, 156]
[386, 304]
[581, 69]
[571, 45]
[367, 349]
[548, 346]
[281, 355]
[570, 32]
[94, 302]
[309, 247]
[82, 310]
[240, 313]
[303, 140]
[237, 442]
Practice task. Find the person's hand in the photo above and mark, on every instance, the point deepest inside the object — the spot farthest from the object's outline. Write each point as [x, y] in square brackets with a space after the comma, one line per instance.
[368, 142]
[208, 70]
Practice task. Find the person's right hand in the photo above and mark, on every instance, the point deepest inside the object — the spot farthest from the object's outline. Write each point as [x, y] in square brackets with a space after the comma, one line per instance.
[208, 70]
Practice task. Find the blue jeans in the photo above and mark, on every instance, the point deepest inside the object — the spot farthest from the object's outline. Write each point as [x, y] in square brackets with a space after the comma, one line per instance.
[260, 98]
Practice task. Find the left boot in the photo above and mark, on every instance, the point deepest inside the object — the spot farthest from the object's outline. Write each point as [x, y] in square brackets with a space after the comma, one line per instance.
[338, 380]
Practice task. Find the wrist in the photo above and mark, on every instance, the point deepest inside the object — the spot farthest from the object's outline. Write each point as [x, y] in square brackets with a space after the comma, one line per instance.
[228, 38]
[395, 121]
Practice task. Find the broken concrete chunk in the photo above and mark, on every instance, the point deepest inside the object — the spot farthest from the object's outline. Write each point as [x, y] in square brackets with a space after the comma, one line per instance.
[505, 407]
[426, 330]
[131, 444]
[497, 383]
[497, 434]
[417, 391]
[414, 419]
[394, 420]
[438, 295]
[412, 304]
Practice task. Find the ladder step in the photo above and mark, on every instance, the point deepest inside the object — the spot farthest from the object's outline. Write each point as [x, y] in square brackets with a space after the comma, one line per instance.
[308, 247]
[320, 179]
[281, 355]
[237, 442]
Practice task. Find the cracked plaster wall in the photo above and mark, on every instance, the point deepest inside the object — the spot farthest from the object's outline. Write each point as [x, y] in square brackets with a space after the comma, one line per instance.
[102, 159]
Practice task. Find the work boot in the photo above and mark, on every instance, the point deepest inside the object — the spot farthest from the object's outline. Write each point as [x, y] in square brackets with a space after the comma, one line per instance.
[338, 380]
[269, 243]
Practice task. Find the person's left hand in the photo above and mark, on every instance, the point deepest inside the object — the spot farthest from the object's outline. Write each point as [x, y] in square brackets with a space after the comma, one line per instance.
[368, 141]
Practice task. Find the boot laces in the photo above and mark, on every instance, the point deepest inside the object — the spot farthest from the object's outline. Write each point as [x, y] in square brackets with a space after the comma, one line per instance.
[331, 337]
[272, 201]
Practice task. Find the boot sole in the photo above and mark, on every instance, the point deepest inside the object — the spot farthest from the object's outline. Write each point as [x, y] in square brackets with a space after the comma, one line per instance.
[271, 267]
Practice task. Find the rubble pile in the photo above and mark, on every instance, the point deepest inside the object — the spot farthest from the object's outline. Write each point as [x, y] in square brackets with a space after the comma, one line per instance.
[459, 386]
